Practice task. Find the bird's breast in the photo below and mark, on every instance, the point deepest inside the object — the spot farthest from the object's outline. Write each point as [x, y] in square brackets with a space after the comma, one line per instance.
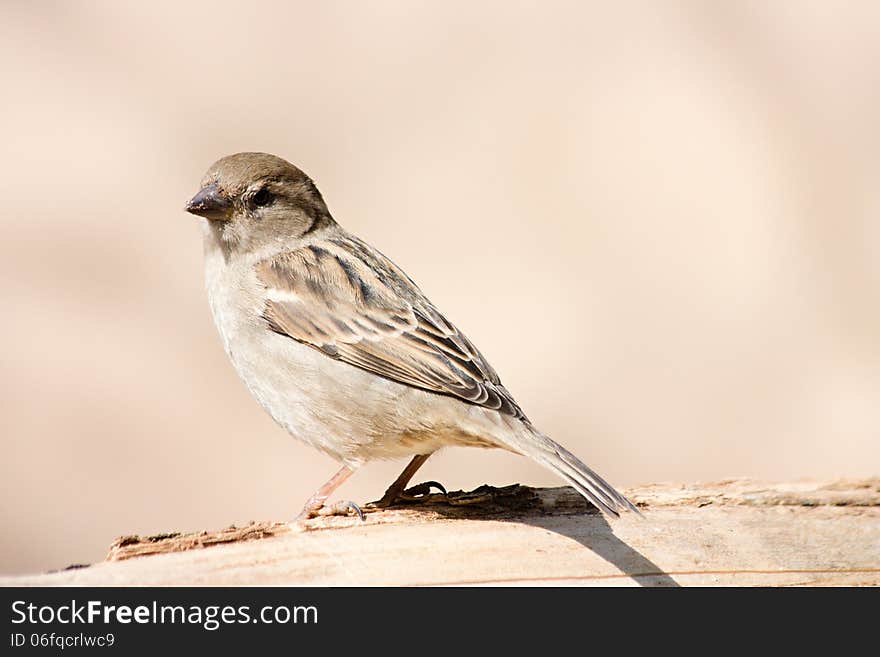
[344, 411]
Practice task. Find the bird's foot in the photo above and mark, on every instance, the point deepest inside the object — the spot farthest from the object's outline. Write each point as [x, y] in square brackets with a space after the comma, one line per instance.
[313, 510]
[413, 495]
[316, 506]
[420, 492]
[343, 508]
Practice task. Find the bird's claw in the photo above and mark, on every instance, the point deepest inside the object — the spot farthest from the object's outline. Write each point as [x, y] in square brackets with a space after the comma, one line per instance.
[413, 495]
[342, 508]
[422, 489]
[336, 509]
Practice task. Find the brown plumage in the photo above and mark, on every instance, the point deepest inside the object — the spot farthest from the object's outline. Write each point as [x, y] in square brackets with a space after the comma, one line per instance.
[357, 306]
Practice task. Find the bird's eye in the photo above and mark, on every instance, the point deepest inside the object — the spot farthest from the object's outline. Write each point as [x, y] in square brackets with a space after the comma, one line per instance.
[263, 198]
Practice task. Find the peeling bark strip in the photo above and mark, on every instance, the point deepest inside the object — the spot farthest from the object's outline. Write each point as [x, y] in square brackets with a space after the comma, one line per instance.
[483, 502]
[735, 532]
[127, 547]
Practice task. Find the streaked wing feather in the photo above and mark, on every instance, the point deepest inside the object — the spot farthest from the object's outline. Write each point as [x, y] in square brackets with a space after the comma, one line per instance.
[352, 303]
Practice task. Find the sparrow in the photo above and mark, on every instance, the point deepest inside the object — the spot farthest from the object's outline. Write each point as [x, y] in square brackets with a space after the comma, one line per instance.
[341, 347]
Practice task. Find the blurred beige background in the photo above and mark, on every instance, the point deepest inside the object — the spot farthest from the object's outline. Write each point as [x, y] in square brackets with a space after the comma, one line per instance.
[659, 221]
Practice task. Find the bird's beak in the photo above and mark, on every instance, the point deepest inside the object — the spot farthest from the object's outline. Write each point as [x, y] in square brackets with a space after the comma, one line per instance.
[210, 203]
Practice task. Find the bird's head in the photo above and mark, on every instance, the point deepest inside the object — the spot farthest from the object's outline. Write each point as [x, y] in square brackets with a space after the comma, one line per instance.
[253, 199]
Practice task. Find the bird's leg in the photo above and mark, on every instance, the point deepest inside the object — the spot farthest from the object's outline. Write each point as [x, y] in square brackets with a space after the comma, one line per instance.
[395, 489]
[316, 502]
[398, 489]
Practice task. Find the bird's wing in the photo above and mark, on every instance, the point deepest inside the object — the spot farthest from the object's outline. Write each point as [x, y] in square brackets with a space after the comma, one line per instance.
[352, 303]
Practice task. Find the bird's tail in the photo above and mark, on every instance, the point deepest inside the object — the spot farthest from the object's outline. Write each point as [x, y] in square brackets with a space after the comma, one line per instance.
[559, 460]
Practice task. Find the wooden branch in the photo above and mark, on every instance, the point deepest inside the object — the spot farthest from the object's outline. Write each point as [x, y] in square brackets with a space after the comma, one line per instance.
[735, 532]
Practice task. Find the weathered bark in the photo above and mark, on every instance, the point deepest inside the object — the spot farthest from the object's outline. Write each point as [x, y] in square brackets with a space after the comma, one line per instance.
[734, 532]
